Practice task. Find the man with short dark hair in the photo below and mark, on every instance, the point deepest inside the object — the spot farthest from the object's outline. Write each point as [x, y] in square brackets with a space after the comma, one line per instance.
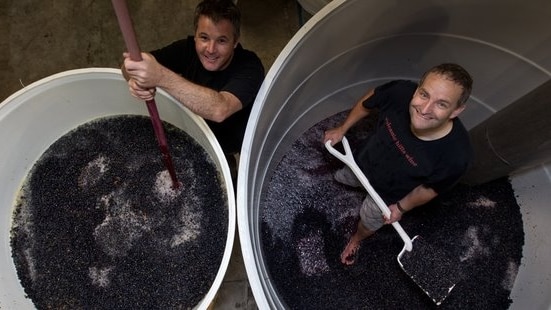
[418, 150]
[209, 73]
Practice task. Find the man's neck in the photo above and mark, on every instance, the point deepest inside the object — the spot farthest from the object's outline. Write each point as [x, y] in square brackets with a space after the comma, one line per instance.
[435, 133]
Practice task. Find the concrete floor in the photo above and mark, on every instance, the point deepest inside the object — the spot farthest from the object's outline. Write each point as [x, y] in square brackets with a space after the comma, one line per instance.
[41, 38]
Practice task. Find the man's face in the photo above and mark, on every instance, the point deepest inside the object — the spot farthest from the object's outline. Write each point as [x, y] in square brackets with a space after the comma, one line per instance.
[214, 43]
[434, 104]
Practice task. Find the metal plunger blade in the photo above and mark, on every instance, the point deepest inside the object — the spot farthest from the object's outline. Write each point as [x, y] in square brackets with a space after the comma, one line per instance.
[432, 270]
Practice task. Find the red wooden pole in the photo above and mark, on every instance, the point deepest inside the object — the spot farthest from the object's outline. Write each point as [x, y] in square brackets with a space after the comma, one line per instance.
[125, 24]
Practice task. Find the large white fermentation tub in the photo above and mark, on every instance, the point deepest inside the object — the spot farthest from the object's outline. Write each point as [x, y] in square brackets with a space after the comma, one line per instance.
[37, 115]
[350, 46]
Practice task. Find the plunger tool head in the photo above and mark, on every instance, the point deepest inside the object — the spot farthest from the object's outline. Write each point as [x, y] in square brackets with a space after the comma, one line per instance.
[431, 269]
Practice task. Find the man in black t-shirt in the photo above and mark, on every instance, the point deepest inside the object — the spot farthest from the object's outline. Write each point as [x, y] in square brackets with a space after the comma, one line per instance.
[418, 149]
[209, 73]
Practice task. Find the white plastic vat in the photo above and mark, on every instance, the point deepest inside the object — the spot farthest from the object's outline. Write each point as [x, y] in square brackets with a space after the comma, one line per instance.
[37, 115]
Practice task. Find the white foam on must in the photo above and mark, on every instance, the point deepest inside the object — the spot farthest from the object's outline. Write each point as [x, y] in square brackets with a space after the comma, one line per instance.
[189, 227]
[475, 246]
[100, 276]
[31, 264]
[93, 171]
[188, 223]
[482, 202]
[510, 276]
[311, 254]
[121, 227]
[163, 188]
[24, 221]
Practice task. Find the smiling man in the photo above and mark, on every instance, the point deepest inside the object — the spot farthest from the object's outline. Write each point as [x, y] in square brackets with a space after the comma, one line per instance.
[210, 73]
[418, 149]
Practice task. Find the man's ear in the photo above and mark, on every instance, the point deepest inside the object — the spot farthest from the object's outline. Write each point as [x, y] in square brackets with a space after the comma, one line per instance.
[458, 110]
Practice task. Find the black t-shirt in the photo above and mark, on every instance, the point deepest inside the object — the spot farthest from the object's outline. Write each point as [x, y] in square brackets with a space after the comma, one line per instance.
[396, 161]
[242, 78]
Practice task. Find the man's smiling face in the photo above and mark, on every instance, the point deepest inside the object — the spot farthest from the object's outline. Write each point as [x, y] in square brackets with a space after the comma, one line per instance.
[433, 106]
[215, 43]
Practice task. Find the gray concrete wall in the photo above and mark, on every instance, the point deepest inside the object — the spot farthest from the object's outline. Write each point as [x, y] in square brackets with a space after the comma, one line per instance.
[41, 38]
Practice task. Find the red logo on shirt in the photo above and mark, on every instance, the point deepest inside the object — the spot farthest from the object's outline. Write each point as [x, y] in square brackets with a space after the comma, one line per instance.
[401, 148]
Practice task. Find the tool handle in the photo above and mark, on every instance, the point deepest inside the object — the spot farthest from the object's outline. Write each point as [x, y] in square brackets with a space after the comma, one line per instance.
[348, 159]
[125, 24]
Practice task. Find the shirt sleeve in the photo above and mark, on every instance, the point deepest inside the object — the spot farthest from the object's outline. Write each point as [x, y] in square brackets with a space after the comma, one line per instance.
[246, 78]
[382, 93]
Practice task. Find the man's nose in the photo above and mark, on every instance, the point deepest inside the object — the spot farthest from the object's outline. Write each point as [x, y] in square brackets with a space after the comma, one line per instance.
[427, 107]
[211, 46]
